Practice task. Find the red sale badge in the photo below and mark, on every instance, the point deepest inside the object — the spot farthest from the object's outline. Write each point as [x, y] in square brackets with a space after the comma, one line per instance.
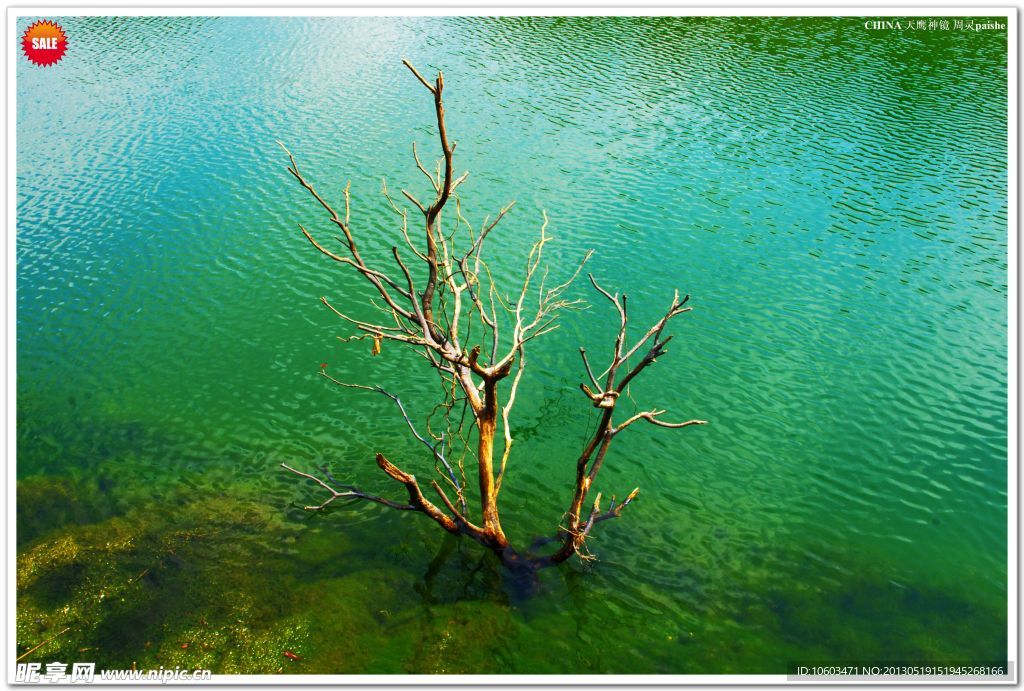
[44, 43]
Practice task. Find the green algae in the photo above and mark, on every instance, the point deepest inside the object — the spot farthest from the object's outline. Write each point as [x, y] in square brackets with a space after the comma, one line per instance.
[216, 584]
[151, 571]
[152, 587]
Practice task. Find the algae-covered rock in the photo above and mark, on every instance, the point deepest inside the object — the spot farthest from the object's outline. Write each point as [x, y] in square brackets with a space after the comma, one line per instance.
[236, 647]
[46, 503]
[159, 586]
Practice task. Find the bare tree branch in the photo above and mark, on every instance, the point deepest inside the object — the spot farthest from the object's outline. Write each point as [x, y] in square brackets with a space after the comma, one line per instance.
[433, 448]
[351, 493]
[651, 416]
[606, 398]
[419, 76]
[447, 307]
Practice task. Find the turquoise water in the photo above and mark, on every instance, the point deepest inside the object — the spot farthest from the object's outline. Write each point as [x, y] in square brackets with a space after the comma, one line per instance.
[834, 199]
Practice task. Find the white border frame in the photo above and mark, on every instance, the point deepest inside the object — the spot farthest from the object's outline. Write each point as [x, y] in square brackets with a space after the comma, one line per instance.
[423, 8]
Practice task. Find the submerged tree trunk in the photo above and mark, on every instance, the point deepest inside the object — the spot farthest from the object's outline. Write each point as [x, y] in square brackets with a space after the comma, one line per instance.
[458, 296]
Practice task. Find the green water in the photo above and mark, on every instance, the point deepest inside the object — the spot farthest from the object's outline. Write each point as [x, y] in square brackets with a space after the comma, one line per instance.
[834, 199]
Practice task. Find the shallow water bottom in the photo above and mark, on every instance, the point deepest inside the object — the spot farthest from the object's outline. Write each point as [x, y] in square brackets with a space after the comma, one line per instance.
[115, 575]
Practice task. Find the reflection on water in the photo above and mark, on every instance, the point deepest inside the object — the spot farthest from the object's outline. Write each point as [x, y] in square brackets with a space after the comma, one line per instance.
[833, 199]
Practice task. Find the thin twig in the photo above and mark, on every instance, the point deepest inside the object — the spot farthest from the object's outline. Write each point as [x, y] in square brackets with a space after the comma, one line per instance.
[29, 652]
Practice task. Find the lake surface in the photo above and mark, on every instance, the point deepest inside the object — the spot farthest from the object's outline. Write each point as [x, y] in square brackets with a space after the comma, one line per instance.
[834, 199]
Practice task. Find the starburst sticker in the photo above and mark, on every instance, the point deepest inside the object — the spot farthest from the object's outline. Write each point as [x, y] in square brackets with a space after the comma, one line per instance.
[44, 43]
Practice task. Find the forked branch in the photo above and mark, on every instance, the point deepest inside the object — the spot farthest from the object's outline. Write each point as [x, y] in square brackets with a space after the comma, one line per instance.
[443, 304]
[606, 398]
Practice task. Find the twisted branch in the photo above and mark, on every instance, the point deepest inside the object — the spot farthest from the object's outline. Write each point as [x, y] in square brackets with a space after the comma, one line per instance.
[606, 398]
[473, 336]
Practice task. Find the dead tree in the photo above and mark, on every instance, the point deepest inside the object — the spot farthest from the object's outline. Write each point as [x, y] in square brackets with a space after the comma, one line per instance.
[448, 309]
